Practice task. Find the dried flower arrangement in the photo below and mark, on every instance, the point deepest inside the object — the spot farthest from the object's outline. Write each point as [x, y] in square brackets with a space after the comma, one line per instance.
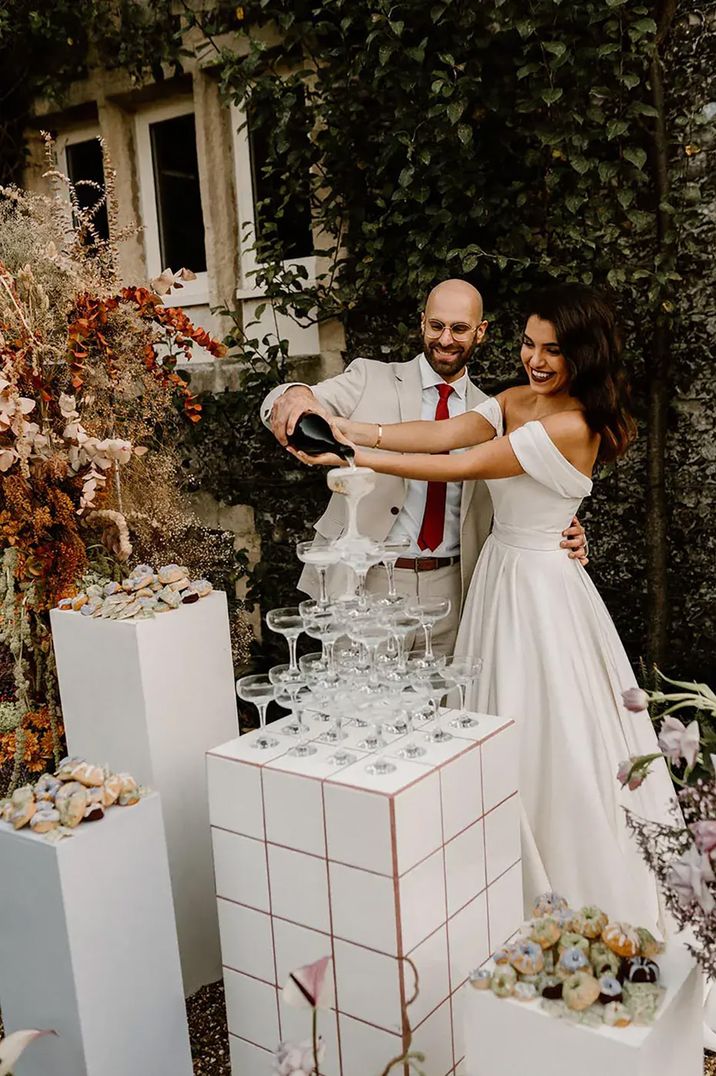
[90, 406]
[682, 856]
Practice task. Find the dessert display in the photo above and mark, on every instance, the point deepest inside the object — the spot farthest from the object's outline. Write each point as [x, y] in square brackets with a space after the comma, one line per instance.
[580, 965]
[143, 594]
[78, 792]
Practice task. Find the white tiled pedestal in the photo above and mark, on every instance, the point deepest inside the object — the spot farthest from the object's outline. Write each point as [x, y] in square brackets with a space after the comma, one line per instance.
[312, 859]
[151, 697]
[88, 948]
[506, 1037]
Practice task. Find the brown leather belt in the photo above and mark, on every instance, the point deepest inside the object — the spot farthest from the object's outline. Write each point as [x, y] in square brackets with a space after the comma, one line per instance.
[425, 564]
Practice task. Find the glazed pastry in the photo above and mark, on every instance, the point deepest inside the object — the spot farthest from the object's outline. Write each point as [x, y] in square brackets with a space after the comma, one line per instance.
[169, 597]
[641, 970]
[525, 991]
[545, 931]
[47, 787]
[170, 573]
[94, 811]
[527, 958]
[548, 904]
[570, 940]
[610, 989]
[21, 813]
[503, 955]
[71, 802]
[604, 961]
[580, 991]
[649, 946]
[79, 601]
[189, 597]
[621, 938]
[65, 604]
[129, 792]
[45, 819]
[480, 978]
[642, 1001]
[594, 921]
[111, 789]
[571, 961]
[616, 1015]
[567, 919]
[549, 961]
[202, 587]
[84, 772]
[552, 987]
[503, 981]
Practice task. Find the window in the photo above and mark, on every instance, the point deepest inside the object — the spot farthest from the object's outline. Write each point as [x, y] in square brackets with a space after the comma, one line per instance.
[170, 197]
[84, 162]
[290, 222]
[176, 187]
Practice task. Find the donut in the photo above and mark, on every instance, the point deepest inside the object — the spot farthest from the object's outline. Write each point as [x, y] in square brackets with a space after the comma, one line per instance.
[621, 938]
[610, 989]
[44, 819]
[502, 956]
[524, 991]
[594, 921]
[567, 919]
[66, 767]
[545, 931]
[579, 991]
[570, 940]
[129, 791]
[547, 904]
[480, 978]
[571, 961]
[94, 811]
[616, 1015]
[21, 813]
[552, 987]
[649, 946]
[642, 1000]
[71, 802]
[527, 958]
[46, 787]
[641, 970]
[111, 789]
[502, 983]
[604, 961]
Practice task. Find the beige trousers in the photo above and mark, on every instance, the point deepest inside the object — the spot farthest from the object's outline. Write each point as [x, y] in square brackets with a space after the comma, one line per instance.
[442, 583]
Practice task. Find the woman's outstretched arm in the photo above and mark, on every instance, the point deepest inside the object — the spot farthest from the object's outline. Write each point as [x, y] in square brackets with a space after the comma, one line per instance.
[428, 436]
[494, 459]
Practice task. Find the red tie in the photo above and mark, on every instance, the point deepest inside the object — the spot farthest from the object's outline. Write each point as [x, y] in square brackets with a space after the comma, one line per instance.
[433, 525]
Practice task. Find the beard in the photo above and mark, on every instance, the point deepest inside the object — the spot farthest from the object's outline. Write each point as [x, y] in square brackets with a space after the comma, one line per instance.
[460, 355]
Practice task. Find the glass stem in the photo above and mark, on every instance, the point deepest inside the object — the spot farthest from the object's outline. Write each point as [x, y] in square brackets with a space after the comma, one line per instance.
[322, 589]
[400, 642]
[292, 662]
[360, 589]
[390, 570]
[329, 646]
[428, 629]
[462, 688]
[262, 707]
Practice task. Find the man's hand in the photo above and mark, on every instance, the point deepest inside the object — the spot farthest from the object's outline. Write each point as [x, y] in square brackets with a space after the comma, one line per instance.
[289, 407]
[575, 540]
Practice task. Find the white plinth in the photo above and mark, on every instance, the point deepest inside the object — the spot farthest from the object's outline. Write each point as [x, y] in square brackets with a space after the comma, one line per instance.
[151, 697]
[88, 947]
[506, 1037]
[313, 860]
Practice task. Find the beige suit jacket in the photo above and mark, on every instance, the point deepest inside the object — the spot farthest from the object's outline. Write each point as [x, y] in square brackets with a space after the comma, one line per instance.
[373, 391]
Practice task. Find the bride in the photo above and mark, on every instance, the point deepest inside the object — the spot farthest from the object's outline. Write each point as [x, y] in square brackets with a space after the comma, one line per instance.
[553, 660]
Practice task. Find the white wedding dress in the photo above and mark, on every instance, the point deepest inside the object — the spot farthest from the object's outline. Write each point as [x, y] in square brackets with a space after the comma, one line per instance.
[554, 662]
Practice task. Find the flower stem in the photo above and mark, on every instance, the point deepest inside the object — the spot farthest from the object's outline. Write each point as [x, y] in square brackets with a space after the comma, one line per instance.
[315, 1042]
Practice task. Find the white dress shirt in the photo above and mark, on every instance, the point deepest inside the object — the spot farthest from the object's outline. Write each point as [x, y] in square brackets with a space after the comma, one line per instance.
[410, 518]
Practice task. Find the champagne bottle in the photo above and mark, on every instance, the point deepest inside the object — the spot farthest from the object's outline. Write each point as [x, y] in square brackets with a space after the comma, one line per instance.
[313, 435]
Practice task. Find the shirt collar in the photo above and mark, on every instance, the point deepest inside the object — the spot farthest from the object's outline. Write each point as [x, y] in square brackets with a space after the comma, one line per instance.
[430, 378]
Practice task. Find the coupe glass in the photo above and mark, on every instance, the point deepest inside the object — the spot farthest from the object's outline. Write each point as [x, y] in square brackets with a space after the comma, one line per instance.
[292, 686]
[360, 556]
[402, 626]
[464, 671]
[411, 749]
[325, 623]
[378, 765]
[429, 611]
[370, 631]
[289, 623]
[436, 683]
[321, 557]
[259, 690]
[392, 550]
[294, 699]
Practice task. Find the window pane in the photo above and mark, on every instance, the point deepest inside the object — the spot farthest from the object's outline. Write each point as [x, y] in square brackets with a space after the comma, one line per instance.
[84, 162]
[176, 185]
[281, 218]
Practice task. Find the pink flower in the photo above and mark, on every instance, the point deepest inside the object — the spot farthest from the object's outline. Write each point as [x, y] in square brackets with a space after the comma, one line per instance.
[704, 835]
[677, 741]
[13, 1045]
[635, 699]
[688, 877]
[310, 987]
[632, 771]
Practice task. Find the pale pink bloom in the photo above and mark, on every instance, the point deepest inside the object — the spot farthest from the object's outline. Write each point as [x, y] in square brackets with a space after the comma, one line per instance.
[12, 1046]
[704, 835]
[310, 987]
[297, 1059]
[630, 773]
[677, 741]
[635, 699]
[688, 877]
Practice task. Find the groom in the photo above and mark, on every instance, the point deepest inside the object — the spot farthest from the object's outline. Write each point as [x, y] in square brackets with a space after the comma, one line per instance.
[446, 523]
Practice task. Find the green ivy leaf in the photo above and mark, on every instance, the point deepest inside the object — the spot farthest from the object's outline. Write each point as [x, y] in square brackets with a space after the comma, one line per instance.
[464, 133]
[580, 164]
[636, 155]
[615, 128]
[552, 95]
[455, 110]
[557, 48]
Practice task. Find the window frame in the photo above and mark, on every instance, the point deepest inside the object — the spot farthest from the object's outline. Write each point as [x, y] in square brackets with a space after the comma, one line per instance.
[193, 292]
[71, 137]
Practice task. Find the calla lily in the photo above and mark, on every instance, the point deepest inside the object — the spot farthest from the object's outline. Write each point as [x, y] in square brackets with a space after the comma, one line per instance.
[635, 699]
[677, 741]
[310, 987]
[12, 1046]
[688, 877]
[632, 771]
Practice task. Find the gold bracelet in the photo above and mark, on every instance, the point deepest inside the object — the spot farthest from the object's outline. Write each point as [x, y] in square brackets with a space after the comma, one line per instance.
[380, 435]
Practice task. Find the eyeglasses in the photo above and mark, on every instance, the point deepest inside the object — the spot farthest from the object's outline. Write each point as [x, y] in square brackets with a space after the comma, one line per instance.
[459, 330]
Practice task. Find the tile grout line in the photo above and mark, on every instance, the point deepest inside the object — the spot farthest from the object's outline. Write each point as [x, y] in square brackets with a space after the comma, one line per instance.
[332, 936]
[484, 847]
[404, 1019]
[447, 919]
[268, 884]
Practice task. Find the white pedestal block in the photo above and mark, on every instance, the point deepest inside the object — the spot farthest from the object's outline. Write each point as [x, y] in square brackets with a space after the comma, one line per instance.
[151, 697]
[88, 947]
[314, 859]
[505, 1037]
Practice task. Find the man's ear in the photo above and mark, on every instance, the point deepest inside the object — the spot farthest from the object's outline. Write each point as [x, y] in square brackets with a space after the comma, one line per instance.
[422, 322]
[481, 330]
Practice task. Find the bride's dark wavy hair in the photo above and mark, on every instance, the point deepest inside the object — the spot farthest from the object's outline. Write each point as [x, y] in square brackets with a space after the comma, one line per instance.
[590, 339]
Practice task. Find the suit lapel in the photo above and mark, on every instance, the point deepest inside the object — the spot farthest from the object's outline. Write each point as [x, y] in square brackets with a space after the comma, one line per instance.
[473, 397]
[409, 387]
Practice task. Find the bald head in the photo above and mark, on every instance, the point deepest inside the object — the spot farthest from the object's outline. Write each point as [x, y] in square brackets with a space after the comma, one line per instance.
[453, 326]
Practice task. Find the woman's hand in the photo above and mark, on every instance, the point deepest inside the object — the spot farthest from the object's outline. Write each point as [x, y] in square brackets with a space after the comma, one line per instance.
[326, 459]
